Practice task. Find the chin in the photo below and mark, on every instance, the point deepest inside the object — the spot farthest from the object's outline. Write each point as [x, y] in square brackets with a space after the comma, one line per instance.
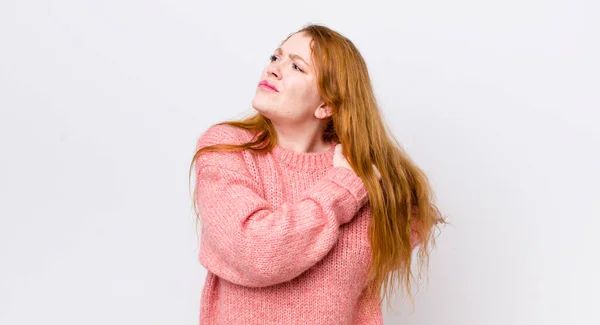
[267, 115]
[261, 110]
[260, 106]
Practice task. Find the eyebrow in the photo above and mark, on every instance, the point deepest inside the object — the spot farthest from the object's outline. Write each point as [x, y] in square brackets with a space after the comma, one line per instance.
[292, 56]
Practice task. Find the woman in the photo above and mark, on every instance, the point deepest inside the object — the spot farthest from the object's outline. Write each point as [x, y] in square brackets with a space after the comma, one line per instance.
[309, 207]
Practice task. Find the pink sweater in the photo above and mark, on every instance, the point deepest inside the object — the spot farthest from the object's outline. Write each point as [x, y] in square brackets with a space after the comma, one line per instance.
[284, 237]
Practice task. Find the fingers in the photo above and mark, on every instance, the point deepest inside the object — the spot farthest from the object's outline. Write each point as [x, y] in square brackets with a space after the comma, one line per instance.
[339, 152]
[338, 148]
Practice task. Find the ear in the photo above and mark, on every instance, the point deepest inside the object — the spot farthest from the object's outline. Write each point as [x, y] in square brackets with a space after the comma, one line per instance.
[323, 111]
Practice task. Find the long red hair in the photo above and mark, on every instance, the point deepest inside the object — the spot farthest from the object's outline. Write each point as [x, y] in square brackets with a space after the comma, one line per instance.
[402, 199]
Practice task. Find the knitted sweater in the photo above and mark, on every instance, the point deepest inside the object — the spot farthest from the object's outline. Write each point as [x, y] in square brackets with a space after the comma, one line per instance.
[283, 237]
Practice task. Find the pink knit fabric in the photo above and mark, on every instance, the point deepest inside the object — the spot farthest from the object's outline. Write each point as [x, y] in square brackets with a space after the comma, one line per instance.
[284, 237]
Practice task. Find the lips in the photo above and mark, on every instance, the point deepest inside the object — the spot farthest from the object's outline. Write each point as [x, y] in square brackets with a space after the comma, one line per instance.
[267, 85]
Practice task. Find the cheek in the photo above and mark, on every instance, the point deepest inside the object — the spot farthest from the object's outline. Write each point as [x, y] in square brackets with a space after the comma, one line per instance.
[303, 89]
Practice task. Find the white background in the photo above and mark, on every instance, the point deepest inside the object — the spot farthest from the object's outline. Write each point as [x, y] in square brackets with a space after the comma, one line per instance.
[102, 102]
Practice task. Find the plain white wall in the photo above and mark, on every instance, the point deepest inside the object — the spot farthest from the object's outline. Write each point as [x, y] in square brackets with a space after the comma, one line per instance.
[102, 102]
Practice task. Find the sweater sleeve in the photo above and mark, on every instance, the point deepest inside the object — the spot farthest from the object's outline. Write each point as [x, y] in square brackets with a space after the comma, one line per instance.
[247, 242]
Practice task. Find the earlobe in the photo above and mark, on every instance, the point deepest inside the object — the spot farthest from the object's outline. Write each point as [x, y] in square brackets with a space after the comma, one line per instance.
[323, 112]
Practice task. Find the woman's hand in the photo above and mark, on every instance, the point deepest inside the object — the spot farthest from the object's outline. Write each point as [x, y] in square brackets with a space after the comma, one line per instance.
[339, 160]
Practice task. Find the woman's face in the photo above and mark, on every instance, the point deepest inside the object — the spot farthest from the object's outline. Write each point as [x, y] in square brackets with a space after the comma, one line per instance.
[287, 92]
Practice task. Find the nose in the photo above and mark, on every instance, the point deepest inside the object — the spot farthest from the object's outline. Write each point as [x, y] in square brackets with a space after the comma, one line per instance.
[274, 70]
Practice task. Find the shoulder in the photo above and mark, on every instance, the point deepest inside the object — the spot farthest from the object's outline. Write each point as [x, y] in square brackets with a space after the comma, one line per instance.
[239, 160]
[223, 134]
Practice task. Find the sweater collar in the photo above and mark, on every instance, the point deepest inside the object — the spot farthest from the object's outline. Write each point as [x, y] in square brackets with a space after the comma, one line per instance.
[305, 160]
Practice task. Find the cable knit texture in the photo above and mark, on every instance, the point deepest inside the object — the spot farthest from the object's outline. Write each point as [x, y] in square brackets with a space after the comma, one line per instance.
[283, 237]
